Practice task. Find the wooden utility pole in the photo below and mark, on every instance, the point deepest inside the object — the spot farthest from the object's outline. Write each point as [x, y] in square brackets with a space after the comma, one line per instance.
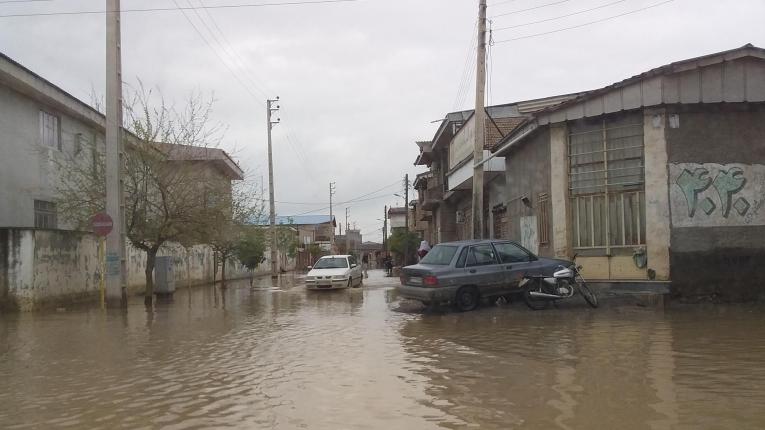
[480, 124]
[272, 214]
[116, 267]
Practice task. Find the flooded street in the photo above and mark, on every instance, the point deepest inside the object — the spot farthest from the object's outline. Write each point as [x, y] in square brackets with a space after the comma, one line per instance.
[278, 356]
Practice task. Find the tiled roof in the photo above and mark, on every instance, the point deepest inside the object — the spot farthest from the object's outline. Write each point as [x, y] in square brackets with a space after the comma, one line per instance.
[505, 125]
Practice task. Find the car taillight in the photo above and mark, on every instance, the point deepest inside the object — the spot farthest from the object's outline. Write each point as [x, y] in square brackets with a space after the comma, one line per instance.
[430, 281]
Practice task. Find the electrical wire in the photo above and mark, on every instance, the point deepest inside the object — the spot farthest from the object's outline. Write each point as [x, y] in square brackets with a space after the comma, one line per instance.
[587, 23]
[561, 16]
[23, 1]
[166, 9]
[530, 8]
[467, 70]
[356, 199]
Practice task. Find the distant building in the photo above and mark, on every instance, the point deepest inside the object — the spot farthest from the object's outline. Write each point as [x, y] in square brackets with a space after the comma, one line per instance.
[313, 233]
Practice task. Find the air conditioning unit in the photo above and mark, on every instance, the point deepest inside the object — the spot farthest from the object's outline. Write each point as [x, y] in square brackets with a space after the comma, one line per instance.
[460, 217]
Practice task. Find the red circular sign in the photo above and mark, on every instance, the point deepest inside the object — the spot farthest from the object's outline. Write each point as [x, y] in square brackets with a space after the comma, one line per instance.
[102, 224]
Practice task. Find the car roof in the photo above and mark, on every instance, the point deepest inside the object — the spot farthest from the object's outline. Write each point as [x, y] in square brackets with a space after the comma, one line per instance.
[472, 242]
[336, 256]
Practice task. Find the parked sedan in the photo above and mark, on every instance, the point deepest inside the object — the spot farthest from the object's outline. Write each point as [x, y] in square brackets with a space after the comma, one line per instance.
[334, 272]
[464, 272]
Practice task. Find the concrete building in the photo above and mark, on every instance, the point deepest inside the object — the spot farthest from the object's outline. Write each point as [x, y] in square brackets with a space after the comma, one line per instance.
[446, 189]
[314, 235]
[42, 259]
[660, 177]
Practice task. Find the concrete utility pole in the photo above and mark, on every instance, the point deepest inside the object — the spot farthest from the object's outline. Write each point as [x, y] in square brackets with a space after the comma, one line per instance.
[332, 237]
[385, 230]
[272, 217]
[347, 235]
[116, 267]
[406, 201]
[480, 124]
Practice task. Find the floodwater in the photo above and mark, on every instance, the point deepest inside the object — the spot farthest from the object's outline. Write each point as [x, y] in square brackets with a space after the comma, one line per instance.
[277, 356]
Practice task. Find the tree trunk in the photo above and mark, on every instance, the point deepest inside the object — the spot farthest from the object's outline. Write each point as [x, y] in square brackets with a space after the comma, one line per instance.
[151, 257]
[223, 270]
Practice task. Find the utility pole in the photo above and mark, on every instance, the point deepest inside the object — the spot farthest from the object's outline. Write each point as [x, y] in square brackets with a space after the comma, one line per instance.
[270, 109]
[406, 201]
[116, 267]
[480, 124]
[385, 230]
[332, 237]
[347, 233]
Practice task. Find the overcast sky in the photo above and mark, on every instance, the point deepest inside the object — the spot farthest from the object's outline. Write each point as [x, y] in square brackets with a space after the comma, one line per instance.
[361, 81]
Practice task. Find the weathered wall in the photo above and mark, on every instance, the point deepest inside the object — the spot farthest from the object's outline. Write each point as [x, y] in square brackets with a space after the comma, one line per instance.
[39, 267]
[27, 171]
[717, 194]
[528, 175]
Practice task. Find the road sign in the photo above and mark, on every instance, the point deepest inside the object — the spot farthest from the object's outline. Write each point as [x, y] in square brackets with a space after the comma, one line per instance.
[102, 224]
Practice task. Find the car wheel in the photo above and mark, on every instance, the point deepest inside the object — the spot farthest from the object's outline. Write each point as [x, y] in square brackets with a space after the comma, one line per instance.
[350, 282]
[467, 299]
[361, 279]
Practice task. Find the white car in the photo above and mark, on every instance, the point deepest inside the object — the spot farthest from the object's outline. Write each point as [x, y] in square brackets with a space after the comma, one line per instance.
[334, 272]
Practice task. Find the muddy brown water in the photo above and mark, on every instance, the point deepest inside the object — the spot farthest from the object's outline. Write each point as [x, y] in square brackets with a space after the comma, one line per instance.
[277, 356]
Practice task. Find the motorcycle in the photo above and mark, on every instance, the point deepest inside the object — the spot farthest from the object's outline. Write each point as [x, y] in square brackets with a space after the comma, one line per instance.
[540, 291]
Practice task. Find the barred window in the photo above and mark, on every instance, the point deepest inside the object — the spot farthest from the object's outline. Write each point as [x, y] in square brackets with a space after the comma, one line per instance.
[45, 214]
[543, 218]
[50, 130]
[606, 182]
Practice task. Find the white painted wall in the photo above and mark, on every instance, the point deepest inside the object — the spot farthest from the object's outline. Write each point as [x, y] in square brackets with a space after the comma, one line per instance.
[657, 200]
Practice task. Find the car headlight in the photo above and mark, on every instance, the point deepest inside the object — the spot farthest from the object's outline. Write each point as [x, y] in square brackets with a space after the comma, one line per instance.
[310, 278]
[340, 277]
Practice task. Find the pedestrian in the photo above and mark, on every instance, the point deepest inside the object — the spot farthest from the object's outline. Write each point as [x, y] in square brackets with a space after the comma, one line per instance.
[423, 250]
[389, 265]
[365, 265]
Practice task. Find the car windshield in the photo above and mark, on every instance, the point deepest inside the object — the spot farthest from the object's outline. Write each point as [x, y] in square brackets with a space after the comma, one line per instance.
[440, 255]
[331, 263]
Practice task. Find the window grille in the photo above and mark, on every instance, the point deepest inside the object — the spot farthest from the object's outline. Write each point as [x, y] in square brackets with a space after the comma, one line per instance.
[606, 183]
[543, 218]
[45, 214]
[50, 130]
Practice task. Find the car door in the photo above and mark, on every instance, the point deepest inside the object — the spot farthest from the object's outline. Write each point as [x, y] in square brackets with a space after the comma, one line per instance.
[483, 269]
[516, 262]
[355, 269]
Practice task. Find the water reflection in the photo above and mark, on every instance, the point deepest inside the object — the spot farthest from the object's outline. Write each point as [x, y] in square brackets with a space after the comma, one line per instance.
[273, 355]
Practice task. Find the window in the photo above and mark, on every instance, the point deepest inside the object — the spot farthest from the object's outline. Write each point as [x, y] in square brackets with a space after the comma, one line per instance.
[440, 255]
[50, 130]
[462, 258]
[511, 253]
[352, 260]
[45, 214]
[606, 183]
[543, 218]
[481, 255]
[331, 263]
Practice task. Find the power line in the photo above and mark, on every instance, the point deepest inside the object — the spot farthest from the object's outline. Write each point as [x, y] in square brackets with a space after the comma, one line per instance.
[356, 199]
[225, 64]
[585, 24]
[466, 76]
[166, 9]
[530, 8]
[23, 1]
[561, 16]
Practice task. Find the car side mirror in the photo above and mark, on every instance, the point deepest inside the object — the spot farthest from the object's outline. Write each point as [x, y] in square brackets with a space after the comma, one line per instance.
[310, 267]
[353, 266]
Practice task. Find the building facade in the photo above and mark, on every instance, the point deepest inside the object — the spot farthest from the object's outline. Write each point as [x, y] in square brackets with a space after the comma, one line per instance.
[660, 177]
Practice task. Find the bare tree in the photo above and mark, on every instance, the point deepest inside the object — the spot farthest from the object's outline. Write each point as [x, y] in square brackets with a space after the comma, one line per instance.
[167, 188]
[226, 218]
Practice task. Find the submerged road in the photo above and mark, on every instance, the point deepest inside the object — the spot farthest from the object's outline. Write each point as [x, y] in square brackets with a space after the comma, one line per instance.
[277, 356]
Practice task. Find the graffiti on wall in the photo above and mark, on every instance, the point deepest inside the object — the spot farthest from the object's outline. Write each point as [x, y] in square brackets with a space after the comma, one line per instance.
[717, 195]
[529, 239]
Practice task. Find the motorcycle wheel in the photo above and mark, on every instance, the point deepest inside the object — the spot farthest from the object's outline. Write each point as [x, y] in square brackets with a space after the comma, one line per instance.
[588, 295]
[532, 302]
